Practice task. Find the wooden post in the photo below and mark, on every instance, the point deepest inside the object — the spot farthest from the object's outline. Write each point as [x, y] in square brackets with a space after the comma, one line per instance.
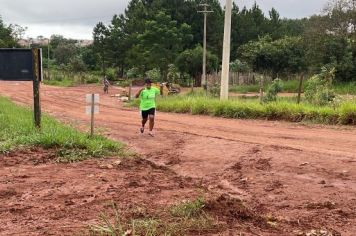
[261, 88]
[300, 87]
[92, 115]
[36, 87]
[130, 90]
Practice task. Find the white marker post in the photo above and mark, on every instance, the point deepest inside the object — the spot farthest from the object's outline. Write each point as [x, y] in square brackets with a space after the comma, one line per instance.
[92, 108]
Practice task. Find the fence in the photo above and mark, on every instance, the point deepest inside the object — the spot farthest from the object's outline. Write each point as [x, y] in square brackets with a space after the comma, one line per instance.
[237, 78]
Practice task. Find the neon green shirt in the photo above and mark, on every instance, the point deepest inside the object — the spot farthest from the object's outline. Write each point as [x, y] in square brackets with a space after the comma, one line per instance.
[148, 97]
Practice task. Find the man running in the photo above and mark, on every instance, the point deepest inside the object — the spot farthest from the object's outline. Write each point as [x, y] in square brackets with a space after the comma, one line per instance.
[147, 96]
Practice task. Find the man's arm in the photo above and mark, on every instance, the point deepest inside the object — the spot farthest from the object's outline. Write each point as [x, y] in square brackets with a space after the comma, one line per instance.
[139, 93]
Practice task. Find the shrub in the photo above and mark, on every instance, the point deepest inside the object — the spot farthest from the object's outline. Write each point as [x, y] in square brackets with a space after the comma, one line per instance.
[154, 74]
[273, 90]
[134, 73]
[173, 74]
[318, 89]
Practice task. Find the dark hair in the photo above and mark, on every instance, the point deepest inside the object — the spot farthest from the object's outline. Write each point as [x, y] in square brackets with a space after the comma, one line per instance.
[148, 81]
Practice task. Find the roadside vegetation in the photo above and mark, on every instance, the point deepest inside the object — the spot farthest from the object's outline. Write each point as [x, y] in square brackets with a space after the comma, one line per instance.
[65, 77]
[291, 86]
[179, 219]
[251, 108]
[319, 104]
[17, 132]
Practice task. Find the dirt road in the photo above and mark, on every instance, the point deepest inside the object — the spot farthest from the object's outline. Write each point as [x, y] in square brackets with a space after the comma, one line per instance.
[302, 176]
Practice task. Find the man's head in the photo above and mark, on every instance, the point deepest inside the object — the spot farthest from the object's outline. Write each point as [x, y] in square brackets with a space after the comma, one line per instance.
[148, 83]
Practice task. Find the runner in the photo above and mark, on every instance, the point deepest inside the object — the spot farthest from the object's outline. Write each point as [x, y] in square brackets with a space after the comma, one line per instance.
[147, 96]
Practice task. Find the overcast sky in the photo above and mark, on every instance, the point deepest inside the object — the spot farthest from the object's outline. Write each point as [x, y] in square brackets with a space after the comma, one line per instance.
[76, 18]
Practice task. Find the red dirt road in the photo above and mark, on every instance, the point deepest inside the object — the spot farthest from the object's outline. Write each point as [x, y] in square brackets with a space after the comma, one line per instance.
[302, 176]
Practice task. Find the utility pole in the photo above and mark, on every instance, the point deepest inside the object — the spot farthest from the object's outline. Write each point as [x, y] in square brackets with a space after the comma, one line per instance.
[205, 12]
[224, 92]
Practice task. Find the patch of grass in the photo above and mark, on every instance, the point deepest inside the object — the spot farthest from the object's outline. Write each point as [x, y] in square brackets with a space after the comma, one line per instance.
[183, 218]
[188, 209]
[68, 79]
[17, 131]
[282, 109]
[252, 88]
[291, 86]
[345, 88]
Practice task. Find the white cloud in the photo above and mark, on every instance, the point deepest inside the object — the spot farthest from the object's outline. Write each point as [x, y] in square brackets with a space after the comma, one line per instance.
[76, 18]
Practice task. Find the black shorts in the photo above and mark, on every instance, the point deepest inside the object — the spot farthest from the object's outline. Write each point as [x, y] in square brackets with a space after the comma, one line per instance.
[145, 114]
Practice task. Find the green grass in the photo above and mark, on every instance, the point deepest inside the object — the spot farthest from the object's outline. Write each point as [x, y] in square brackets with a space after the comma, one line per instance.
[188, 209]
[64, 79]
[283, 109]
[345, 88]
[291, 86]
[17, 132]
[180, 219]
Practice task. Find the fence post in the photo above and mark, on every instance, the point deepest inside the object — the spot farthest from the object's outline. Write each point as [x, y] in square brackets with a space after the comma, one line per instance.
[130, 90]
[261, 87]
[92, 115]
[36, 88]
[300, 87]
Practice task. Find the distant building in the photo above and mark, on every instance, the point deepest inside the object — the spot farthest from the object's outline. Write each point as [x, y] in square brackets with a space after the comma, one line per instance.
[41, 41]
[84, 43]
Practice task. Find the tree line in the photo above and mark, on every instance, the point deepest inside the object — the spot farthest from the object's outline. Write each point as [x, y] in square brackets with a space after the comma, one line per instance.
[163, 38]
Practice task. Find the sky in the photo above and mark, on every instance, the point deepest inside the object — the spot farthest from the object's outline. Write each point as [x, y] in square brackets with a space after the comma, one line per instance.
[77, 18]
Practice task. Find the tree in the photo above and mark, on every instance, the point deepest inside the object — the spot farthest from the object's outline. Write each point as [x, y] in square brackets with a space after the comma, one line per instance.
[6, 36]
[285, 55]
[190, 62]
[64, 53]
[89, 57]
[330, 39]
[100, 35]
[117, 41]
[161, 42]
[17, 31]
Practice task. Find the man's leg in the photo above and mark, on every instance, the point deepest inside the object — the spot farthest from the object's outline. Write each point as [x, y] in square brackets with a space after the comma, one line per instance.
[151, 117]
[152, 122]
[144, 120]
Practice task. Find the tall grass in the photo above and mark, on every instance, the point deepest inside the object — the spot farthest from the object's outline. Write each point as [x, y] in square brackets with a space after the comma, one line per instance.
[67, 79]
[251, 109]
[345, 88]
[291, 86]
[17, 132]
[184, 218]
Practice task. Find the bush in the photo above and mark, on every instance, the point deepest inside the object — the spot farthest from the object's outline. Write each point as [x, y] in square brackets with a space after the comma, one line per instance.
[273, 90]
[154, 74]
[173, 74]
[318, 89]
[134, 73]
[111, 74]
